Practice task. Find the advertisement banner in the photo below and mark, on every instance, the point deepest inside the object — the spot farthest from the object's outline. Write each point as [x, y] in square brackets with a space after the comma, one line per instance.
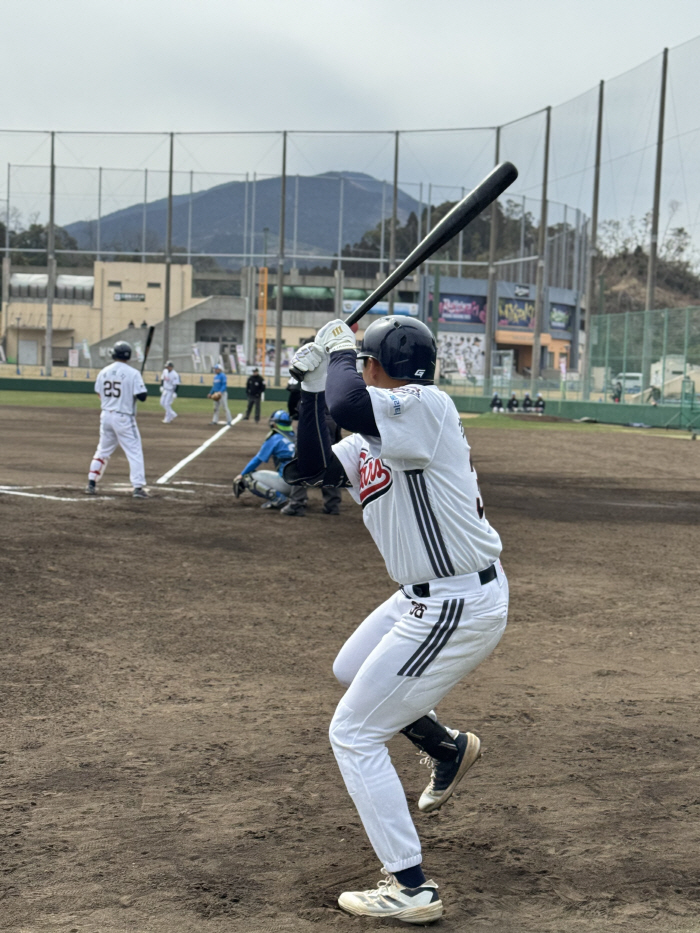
[514, 312]
[461, 354]
[461, 309]
[382, 307]
[561, 316]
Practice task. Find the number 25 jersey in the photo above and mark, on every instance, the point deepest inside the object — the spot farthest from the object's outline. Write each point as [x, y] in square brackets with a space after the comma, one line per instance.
[117, 384]
[417, 487]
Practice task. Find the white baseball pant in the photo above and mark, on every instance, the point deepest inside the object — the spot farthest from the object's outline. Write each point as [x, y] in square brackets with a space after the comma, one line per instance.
[398, 665]
[221, 403]
[166, 400]
[118, 430]
[267, 484]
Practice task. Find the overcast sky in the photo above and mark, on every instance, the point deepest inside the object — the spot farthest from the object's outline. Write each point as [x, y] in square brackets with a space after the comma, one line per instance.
[316, 64]
[322, 65]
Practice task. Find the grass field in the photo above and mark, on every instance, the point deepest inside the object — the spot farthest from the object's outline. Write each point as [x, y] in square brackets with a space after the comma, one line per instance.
[183, 406]
[187, 406]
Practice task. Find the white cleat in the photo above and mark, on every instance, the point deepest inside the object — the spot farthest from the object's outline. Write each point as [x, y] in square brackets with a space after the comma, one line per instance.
[390, 899]
[446, 775]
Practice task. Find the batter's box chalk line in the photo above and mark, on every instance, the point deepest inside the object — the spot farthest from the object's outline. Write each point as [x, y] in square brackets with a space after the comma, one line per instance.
[195, 453]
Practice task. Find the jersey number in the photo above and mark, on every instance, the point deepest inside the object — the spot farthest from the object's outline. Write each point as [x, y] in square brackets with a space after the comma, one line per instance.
[113, 389]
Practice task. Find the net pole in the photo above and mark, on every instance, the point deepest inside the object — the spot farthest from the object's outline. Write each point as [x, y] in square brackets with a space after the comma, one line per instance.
[280, 263]
[541, 261]
[51, 260]
[168, 256]
[492, 293]
[394, 211]
[592, 245]
[653, 240]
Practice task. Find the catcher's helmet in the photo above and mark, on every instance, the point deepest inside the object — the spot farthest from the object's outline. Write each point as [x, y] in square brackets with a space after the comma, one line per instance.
[281, 420]
[405, 348]
[121, 350]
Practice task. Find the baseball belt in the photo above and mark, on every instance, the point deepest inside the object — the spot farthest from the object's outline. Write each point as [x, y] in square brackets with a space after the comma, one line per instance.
[422, 590]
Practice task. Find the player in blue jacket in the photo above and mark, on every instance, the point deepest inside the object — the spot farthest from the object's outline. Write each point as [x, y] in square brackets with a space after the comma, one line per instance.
[219, 394]
[278, 447]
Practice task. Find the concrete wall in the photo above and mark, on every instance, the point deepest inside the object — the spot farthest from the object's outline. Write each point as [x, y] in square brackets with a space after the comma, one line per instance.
[182, 333]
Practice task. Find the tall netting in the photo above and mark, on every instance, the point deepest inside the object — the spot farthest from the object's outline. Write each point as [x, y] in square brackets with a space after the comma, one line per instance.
[681, 176]
[339, 200]
[438, 168]
[112, 203]
[522, 143]
[630, 127]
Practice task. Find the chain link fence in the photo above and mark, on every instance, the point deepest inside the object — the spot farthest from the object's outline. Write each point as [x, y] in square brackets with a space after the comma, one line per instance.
[606, 206]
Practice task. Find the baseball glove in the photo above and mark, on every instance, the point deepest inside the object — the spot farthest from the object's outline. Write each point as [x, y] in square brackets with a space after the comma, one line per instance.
[238, 486]
[215, 396]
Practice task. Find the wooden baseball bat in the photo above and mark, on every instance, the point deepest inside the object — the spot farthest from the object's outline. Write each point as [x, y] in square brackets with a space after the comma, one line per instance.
[149, 340]
[457, 219]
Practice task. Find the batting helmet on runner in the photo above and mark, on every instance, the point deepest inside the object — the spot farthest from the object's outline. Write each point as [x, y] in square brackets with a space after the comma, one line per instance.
[121, 350]
[405, 348]
[281, 421]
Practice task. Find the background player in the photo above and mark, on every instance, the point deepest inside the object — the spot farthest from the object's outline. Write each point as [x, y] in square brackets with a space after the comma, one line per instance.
[119, 386]
[278, 446]
[254, 389]
[219, 393]
[409, 467]
[169, 381]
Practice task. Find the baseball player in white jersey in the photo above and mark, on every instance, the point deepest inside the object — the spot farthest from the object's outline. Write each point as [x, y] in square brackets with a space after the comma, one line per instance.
[408, 465]
[119, 386]
[169, 381]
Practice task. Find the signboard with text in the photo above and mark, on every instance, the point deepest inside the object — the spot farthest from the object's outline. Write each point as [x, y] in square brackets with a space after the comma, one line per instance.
[129, 296]
[561, 316]
[516, 312]
[460, 309]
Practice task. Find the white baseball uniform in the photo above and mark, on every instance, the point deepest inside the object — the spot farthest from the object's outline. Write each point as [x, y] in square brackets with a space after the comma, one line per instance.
[421, 504]
[118, 385]
[170, 380]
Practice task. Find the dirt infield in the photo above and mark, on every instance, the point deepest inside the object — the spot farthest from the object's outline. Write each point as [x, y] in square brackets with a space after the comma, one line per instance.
[166, 690]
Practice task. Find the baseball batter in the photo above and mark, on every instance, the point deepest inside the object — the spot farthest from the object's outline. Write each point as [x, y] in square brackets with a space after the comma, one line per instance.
[119, 386]
[408, 465]
[169, 381]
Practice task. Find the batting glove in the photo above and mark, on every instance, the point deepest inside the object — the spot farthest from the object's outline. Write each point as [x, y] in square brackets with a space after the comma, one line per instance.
[312, 361]
[336, 336]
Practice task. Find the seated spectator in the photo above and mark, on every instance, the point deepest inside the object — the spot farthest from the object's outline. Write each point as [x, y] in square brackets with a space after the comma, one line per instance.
[513, 403]
[496, 402]
[527, 404]
[539, 404]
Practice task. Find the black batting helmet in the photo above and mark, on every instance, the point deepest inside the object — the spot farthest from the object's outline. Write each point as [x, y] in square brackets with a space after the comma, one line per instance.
[121, 350]
[406, 348]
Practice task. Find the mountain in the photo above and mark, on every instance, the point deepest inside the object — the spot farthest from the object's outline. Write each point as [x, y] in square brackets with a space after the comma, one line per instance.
[218, 217]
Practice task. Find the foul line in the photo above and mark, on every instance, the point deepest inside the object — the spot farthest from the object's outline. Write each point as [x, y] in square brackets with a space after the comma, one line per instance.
[178, 466]
[37, 495]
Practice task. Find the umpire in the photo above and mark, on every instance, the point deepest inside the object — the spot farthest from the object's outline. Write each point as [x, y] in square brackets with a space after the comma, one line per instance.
[254, 388]
[299, 496]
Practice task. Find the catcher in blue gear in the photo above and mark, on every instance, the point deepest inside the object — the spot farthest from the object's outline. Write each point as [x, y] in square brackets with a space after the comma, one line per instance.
[278, 446]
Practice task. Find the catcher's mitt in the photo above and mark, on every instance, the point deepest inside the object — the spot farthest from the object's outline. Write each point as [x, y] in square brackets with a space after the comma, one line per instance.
[216, 396]
[238, 486]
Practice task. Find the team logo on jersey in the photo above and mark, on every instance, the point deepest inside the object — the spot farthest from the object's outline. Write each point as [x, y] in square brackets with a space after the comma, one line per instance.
[375, 478]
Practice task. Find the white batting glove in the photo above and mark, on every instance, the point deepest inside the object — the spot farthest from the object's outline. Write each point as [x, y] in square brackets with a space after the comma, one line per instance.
[336, 336]
[312, 361]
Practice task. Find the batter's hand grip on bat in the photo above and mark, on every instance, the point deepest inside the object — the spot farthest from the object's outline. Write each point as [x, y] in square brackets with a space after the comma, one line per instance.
[457, 219]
